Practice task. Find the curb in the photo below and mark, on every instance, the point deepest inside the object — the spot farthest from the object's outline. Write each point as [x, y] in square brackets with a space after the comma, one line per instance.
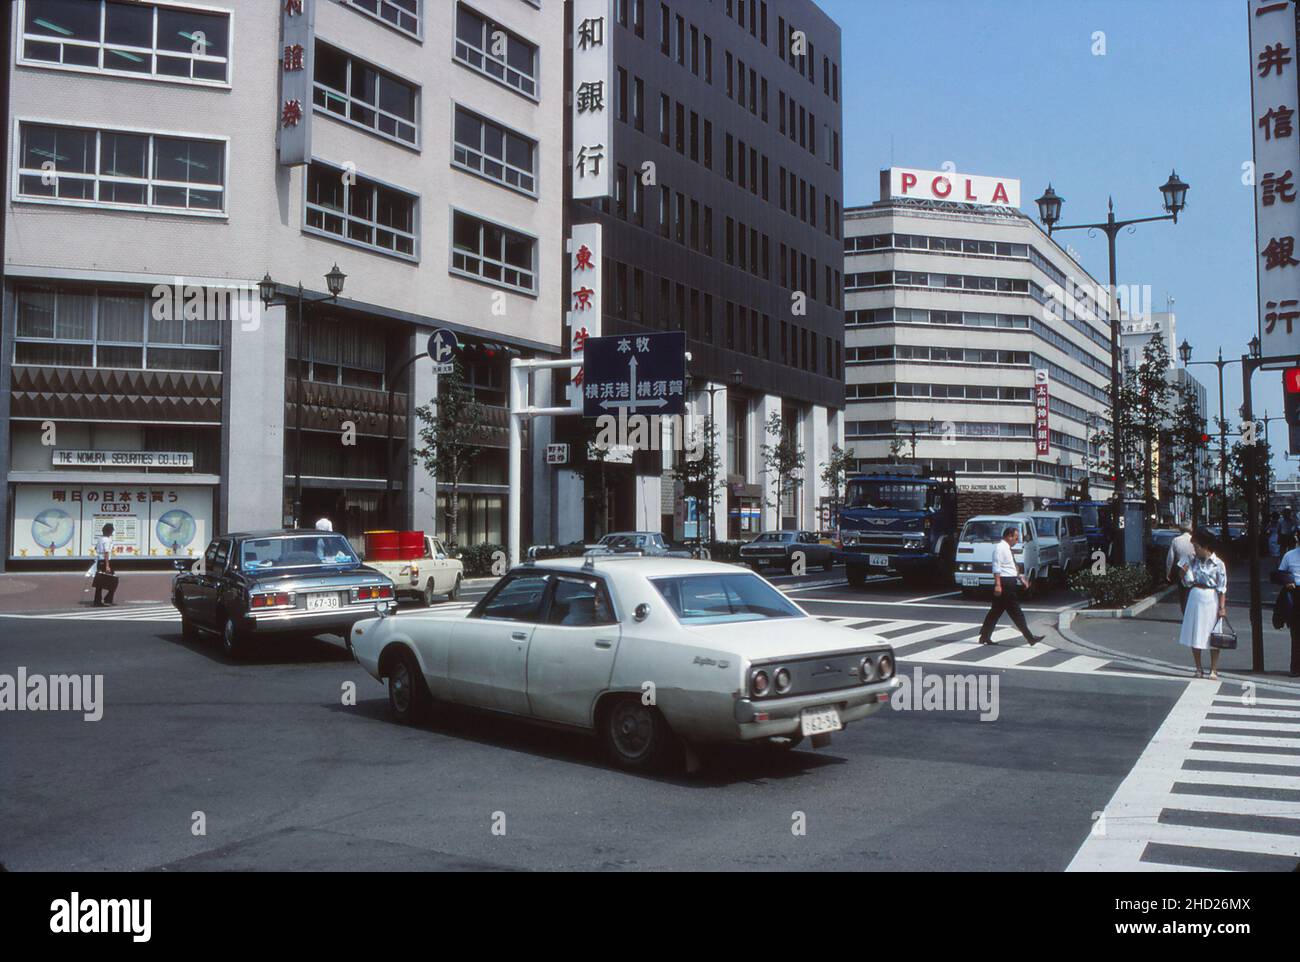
[1132, 611]
[1176, 672]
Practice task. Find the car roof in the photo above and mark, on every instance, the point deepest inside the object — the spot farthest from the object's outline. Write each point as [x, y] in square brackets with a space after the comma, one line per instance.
[999, 517]
[1053, 514]
[618, 566]
[274, 533]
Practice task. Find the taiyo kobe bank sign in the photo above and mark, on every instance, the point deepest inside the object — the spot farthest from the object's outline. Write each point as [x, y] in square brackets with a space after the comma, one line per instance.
[949, 186]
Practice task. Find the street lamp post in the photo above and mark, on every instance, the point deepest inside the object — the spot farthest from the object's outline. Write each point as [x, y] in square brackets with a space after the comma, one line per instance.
[267, 289]
[737, 376]
[1185, 353]
[1174, 192]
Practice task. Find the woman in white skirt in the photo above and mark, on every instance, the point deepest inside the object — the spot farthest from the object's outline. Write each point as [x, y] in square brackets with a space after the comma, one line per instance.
[1207, 601]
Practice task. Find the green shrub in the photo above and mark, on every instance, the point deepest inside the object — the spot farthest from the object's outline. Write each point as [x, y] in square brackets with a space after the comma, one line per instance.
[477, 559]
[1117, 587]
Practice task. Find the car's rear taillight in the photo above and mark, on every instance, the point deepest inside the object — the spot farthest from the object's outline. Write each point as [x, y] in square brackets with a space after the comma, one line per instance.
[279, 599]
[372, 593]
[759, 683]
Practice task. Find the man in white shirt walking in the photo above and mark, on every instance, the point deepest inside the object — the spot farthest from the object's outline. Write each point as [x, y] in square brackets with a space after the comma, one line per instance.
[1007, 580]
[1180, 556]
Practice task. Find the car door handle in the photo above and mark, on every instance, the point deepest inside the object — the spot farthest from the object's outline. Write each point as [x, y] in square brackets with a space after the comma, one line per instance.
[519, 635]
[604, 643]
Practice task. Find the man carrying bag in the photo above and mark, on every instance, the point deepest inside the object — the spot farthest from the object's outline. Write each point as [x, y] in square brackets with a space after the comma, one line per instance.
[105, 580]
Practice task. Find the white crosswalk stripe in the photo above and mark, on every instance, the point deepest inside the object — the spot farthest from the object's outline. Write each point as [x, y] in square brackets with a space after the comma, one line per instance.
[1200, 799]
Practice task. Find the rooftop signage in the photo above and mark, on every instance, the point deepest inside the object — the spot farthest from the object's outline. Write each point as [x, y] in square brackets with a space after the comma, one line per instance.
[949, 186]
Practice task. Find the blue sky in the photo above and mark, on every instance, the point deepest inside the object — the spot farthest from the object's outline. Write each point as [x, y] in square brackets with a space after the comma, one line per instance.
[1013, 88]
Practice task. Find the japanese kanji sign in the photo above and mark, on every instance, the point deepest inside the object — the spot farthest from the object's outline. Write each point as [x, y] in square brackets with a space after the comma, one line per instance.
[592, 51]
[639, 373]
[293, 115]
[1042, 431]
[584, 253]
[1274, 95]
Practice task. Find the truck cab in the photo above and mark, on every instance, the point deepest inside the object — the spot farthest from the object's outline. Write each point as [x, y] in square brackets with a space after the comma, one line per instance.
[1098, 521]
[897, 519]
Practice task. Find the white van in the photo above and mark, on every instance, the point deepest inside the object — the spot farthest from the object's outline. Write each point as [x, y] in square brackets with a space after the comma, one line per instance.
[975, 551]
[1062, 543]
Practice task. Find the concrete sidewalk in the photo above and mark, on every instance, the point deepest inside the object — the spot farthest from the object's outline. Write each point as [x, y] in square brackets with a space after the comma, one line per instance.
[42, 591]
[1153, 633]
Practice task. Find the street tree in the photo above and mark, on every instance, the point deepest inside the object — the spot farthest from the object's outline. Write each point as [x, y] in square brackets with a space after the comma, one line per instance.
[835, 472]
[453, 431]
[783, 459]
[701, 478]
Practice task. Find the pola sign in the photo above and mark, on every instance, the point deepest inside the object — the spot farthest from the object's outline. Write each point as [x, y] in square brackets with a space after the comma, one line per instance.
[949, 186]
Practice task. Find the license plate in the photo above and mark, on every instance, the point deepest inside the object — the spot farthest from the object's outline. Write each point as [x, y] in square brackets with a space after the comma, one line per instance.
[818, 721]
[969, 581]
[879, 560]
[321, 602]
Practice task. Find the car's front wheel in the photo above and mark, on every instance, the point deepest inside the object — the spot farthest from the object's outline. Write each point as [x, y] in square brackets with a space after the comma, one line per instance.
[408, 697]
[635, 735]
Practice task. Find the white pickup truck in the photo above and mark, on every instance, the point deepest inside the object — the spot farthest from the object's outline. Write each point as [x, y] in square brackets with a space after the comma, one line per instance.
[437, 573]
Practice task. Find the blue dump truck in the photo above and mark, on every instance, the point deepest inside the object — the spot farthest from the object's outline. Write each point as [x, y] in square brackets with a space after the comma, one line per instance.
[1098, 521]
[897, 519]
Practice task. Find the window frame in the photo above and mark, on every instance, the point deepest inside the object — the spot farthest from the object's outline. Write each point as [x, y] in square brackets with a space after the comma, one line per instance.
[149, 182]
[417, 35]
[456, 107]
[479, 278]
[307, 206]
[20, 38]
[349, 98]
[535, 96]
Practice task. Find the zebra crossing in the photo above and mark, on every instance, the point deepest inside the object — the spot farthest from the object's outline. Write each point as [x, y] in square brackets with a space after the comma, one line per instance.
[1217, 789]
[956, 644]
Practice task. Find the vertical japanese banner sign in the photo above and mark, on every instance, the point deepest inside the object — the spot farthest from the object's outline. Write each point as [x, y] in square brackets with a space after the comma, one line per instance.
[585, 284]
[592, 50]
[1042, 432]
[297, 30]
[1274, 93]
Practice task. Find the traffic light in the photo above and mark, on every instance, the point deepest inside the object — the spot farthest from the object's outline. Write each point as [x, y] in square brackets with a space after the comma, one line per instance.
[1291, 395]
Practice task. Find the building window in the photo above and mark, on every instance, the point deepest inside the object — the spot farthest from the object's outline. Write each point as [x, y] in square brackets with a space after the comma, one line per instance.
[121, 170]
[493, 253]
[475, 46]
[349, 353]
[665, 119]
[488, 149]
[348, 87]
[135, 39]
[638, 103]
[360, 211]
[402, 14]
[117, 328]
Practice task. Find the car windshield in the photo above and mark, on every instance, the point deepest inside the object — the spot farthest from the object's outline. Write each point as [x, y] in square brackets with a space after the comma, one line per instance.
[774, 536]
[1046, 527]
[1089, 514]
[296, 552]
[976, 531]
[716, 599]
[898, 495]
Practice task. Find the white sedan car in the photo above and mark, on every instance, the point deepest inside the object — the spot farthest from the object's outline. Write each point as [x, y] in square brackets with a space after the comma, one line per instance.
[646, 653]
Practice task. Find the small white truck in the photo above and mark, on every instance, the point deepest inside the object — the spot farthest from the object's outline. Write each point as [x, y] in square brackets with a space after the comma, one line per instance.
[436, 573]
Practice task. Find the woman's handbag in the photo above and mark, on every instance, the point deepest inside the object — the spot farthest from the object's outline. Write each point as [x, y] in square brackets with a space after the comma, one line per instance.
[1222, 635]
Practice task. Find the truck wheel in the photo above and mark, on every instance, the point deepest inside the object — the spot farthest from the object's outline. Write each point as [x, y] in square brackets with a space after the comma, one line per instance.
[232, 639]
[408, 697]
[636, 737]
[856, 574]
[454, 594]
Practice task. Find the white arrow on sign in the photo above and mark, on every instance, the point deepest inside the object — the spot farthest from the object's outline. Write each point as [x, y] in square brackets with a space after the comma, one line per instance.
[632, 403]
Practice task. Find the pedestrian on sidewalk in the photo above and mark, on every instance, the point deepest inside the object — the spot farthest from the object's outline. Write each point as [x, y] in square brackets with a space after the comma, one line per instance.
[1271, 533]
[1289, 567]
[104, 577]
[1286, 530]
[1006, 590]
[1180, 554]
[1206, 578]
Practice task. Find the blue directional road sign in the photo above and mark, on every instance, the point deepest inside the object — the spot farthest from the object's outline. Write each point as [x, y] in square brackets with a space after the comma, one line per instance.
[442, 349]
[636, 373]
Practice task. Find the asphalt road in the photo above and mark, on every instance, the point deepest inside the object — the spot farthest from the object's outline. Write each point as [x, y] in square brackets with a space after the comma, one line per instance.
[288, 777]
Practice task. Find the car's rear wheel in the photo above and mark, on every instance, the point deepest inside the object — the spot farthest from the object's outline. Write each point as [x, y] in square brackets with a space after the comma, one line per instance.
[454, 594]
[408, 697]
[232, 639]
[635, 735]
[429, 597]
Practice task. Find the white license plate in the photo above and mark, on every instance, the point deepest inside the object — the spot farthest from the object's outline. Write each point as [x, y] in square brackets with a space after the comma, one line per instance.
[321, 602]
[818, 721]
[878, 560]
[969, 581]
